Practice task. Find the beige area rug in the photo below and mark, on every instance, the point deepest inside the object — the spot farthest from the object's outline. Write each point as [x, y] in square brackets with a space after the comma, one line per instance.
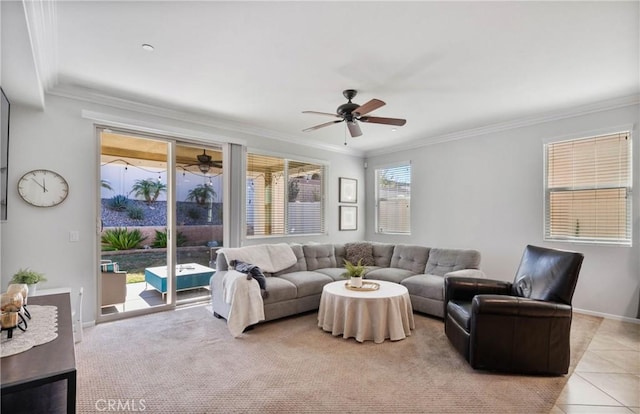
[185, 361]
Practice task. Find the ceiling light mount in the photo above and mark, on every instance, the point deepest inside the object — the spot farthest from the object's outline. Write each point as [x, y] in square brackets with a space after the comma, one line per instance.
[148, 47]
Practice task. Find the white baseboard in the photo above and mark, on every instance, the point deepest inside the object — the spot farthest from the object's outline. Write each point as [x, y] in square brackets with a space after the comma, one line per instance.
[607, 316]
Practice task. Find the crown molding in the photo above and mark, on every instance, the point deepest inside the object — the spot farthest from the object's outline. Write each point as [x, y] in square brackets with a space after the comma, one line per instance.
[42, 24]
[162, 110]
[581, 110]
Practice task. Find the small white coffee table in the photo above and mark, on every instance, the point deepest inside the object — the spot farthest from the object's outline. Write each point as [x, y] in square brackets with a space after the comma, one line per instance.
[376, 315]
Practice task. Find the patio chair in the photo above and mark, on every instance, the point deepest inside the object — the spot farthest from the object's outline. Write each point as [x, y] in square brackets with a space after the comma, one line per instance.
[114, 284]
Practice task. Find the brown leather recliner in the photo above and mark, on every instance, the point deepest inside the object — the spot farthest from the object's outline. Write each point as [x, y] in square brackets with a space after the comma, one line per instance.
[520, 327]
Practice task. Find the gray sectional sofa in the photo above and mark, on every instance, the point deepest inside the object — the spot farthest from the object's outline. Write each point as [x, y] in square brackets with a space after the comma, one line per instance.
[298, 288]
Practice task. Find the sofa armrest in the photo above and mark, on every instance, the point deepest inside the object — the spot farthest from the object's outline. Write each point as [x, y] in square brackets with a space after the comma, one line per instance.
[518, 306]
[477, 273]
[221, 260]
[465, 288]
[218, 304]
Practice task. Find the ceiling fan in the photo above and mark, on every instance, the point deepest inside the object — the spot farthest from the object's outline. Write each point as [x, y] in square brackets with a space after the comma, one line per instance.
[205, 162]
[352, 112]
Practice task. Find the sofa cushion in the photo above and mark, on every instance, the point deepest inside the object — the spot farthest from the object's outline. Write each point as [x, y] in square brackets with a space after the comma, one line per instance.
[307, 283]
[389, 274]
[382, 253]
[280, 290]
[357, 252]
[410, 257]
[442, 261]
[319, 256]
[426, 286]
[334, 273]
[300, 265]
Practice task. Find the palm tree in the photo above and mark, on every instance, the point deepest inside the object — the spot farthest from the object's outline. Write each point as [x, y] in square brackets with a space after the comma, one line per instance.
[106, 184]
[149, 189]
[201, 194]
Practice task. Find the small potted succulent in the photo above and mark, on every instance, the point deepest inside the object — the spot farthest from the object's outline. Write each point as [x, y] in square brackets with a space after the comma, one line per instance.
[28, 277]
[354, 272]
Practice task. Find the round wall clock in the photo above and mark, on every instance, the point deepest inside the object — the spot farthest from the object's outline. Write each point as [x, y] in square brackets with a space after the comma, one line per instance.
[43, 188]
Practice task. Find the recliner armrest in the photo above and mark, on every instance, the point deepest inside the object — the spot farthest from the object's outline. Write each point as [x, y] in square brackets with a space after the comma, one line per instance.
[477, 273]
[517, 306]
[465, 288]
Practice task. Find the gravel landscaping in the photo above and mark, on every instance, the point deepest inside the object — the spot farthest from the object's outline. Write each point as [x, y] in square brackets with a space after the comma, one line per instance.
[155, 214]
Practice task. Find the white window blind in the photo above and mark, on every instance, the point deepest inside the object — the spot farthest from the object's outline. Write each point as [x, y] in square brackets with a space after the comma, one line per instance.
[393, 199]
[588, 190]
[284, 196]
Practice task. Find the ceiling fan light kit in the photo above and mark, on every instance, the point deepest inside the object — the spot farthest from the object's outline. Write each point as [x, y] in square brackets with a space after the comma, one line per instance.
[351, 112]
[205, 163]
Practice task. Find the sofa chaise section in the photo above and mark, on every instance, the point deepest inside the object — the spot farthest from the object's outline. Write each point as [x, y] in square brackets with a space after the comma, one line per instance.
[427, 288]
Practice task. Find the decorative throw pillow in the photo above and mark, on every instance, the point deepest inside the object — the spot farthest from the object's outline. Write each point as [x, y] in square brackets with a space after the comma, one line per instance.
[109, 267]
[360, 251]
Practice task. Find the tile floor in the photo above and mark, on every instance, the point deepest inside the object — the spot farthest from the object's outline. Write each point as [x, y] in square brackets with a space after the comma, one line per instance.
[607, 378]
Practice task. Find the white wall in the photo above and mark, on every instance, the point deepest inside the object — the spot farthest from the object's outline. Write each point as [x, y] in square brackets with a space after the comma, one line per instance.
[486, 193]
[466, 194]
[61, 139]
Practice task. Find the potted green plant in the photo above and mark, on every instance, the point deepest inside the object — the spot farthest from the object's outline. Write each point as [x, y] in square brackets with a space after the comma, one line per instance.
[28, 277]
[355, 273]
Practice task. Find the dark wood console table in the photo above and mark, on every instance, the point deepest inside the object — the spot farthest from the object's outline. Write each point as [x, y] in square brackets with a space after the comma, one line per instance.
[44, 377]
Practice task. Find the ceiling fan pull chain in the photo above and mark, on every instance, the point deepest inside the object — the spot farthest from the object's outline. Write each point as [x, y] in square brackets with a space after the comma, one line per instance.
[345, 134]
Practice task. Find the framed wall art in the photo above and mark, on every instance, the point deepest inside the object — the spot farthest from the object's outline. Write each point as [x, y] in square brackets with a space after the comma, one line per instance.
[348, 218]
[348, 190]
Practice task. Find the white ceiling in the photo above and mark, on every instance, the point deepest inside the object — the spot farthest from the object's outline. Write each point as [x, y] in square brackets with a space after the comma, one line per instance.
[444, 66]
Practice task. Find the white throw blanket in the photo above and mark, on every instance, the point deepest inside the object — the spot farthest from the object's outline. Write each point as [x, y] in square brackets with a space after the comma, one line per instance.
[245, 299]
[269, 258]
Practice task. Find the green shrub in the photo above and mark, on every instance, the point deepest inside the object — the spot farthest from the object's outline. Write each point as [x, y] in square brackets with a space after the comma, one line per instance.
[161, 239]
[118, 202]
[121, 239]
[194, 213]
[135, 212]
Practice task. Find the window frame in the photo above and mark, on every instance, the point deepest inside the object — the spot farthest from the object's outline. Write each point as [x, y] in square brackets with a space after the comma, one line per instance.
[286, 159]
[400, 164]
[591, 240]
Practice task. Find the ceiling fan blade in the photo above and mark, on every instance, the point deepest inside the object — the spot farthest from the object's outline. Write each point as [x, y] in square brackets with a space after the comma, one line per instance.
[354, 129]
[322, 125]
[379, 120]
[321, 113]
[372, 105]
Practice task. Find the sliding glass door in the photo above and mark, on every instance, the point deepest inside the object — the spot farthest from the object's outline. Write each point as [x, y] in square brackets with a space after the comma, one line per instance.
[159, 231]
[133, 222]
[199, 228]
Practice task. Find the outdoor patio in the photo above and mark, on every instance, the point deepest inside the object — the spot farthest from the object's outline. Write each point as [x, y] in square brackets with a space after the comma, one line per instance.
[142, 296]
